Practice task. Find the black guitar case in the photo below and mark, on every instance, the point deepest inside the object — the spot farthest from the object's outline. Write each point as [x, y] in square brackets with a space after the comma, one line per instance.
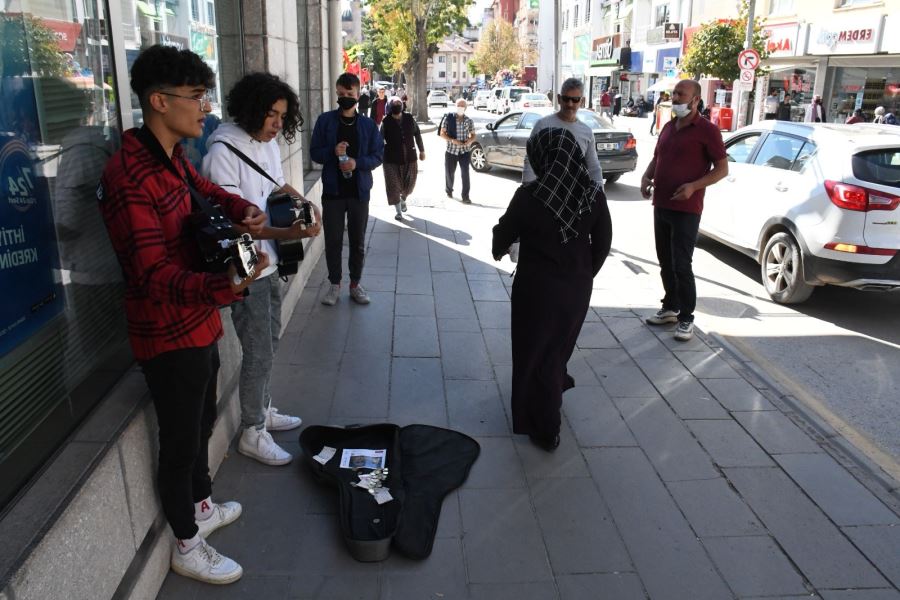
[425, 464]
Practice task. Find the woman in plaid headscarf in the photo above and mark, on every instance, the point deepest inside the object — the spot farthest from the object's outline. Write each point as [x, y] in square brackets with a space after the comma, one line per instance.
[562, 222]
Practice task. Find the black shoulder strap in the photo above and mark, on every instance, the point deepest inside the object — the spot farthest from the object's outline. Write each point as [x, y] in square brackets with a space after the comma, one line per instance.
[247, 160]
[146, 137]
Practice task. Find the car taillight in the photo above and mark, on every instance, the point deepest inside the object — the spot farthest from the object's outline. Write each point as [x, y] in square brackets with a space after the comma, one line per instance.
[858, 198]
[631, 144]
[856, 249]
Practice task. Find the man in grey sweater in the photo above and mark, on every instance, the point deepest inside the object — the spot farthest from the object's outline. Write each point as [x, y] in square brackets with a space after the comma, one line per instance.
[570, 95]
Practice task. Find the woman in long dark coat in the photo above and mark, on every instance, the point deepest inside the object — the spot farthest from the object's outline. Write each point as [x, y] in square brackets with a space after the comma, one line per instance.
[400, 131]
[563, 225]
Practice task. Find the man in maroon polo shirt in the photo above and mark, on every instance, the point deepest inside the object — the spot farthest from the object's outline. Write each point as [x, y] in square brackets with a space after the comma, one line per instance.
[170, 305]
[689, 157]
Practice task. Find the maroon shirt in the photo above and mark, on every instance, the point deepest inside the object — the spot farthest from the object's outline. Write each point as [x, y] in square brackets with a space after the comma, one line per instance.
[168, 305]
[683, 156]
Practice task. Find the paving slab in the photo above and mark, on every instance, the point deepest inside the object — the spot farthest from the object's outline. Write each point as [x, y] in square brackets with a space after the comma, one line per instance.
[417, 392]
[737, 395]
[776, 432]
[465, 356]
[602, 586]
[594, 418]
[416, 336]
[728, 444]
[881, 544]
[475, 407]
[713, 508]
[754, 566]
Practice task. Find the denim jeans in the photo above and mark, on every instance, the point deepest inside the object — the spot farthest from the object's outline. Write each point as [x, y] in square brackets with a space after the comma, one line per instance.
[450, 162]
[183, 387]
[257, 321]
[356, 213]
[676, 236]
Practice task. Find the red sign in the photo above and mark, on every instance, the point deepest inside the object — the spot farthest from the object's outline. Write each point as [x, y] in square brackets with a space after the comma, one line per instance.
[748, 59]
[67, 33]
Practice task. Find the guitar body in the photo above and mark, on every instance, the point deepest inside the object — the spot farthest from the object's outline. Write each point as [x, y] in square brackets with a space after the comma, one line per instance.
[283, 213]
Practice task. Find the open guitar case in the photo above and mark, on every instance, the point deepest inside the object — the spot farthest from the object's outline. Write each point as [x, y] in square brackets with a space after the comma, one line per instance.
[424, 464]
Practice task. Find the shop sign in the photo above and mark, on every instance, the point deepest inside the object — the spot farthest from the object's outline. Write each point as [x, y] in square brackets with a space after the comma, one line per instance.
[860, 35]
[656, 35]
[28, 250]
[168, 39]
[891, 38]
[672, 31]
[781, 40]
[605, 50]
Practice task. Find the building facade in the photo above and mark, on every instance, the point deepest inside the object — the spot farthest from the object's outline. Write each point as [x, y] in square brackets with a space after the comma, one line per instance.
[448, 68]
[79, 514]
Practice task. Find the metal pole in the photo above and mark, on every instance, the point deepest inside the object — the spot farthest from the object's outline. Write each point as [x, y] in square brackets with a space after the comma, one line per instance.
[557, 66]
[748, 41]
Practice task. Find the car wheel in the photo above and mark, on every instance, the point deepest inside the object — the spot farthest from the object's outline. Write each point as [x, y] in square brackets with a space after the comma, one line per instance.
[782, 270]
[612, 178]
[478, 160]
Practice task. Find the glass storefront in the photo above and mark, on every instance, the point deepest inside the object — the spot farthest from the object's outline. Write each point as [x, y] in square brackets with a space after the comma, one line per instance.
[795, 91]
[865, 88]
[63, 341]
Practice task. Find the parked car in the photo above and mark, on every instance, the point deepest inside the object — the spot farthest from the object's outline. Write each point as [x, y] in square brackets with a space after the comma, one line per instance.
[482, 98]
[502, 143]
[436, 97]
[494, 99]
[530, 101]
[813, 203]
[508, 95]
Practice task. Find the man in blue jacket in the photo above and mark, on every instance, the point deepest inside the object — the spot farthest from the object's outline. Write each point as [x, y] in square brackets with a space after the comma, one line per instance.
[348, 146]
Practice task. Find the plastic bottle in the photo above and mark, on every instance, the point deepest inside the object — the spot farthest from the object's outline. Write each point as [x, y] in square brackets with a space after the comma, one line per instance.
[342, 159]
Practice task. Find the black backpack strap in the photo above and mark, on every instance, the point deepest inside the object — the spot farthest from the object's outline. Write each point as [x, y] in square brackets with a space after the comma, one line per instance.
[146, 137]
[247, 160]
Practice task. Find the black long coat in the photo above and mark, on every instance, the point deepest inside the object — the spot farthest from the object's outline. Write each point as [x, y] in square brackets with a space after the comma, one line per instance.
[550, 298]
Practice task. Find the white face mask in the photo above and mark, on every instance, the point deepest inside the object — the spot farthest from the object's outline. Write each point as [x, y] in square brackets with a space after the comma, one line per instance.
[460, 110]
[681, 110]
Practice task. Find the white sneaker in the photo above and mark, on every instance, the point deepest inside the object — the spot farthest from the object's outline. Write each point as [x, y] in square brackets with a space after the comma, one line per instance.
[203, 563]
[332, 295]
[223, 513]
[663, 316]
[684, 331]
[358, 294]
[258, 444]
[276, 421]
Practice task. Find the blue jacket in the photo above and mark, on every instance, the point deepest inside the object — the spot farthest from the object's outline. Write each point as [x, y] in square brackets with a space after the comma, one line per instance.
[371, 152]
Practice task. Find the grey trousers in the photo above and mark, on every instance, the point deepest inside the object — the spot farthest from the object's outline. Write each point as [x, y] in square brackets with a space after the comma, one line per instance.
[257, 321]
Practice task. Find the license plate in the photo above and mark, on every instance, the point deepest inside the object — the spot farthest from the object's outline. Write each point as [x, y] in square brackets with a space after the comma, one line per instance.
[601, 146]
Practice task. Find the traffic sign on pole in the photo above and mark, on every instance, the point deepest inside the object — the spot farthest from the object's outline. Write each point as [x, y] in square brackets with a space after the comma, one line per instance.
[748, 59]
[747, 76]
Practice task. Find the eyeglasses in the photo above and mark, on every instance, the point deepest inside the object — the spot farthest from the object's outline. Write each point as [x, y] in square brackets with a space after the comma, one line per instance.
[572, 99]
[206, 98]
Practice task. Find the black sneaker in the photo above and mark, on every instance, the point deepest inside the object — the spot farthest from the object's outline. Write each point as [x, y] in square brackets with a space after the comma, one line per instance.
[466, 201]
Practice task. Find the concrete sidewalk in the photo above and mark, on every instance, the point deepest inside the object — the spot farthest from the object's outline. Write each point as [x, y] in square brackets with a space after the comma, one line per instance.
[680, 475]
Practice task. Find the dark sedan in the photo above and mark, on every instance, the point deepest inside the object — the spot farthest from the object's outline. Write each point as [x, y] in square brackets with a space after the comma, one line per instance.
[502, 143]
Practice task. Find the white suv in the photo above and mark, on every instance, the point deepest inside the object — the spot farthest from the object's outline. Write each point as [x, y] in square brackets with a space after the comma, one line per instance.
[438, 97]
[814, 204]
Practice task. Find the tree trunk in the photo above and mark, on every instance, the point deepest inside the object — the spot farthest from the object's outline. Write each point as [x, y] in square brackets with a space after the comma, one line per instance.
[420, 72]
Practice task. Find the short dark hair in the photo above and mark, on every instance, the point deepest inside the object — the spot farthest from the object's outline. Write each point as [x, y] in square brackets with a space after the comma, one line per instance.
[572, 83]
[253, 96]
[348, 80]
[160, 66]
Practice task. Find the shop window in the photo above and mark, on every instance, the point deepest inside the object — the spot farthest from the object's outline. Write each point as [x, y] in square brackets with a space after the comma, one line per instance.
[661, 15]
[195, 10]
[866, 89]
[62, 335]
[211, 14]
[781, 7]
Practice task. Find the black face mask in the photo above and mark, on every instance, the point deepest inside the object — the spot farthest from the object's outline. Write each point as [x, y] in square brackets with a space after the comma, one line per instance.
[396, 109]
[346, 103]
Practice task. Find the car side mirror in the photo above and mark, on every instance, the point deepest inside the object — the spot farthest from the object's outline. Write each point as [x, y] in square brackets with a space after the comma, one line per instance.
[489, 127]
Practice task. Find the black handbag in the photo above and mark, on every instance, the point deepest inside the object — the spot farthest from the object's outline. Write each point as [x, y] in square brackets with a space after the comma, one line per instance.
[284, 210]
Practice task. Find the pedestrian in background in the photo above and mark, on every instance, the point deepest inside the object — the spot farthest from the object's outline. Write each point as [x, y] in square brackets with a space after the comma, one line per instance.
[689, 157]
[349, 147]
[401, 136]
[459, 131]
[606, 104]
[814, 112]
[771, 105]
[570, 96]
[262, 107]
[663, 97]
[365, 100]
[562, 222]
[378, 109]
[856, 117]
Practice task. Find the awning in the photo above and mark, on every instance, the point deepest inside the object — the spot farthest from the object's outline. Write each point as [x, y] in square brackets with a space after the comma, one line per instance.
[603, 71]
[67, 33]
[664, 85]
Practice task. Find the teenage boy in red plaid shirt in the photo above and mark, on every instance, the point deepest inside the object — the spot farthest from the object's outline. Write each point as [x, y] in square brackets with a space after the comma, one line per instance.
[171, 307]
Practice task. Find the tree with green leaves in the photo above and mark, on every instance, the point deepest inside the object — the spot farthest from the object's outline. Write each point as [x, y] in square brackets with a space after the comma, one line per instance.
[373, 50]
[714, 49]
[28, 47]
[498, 49]
[412, 30]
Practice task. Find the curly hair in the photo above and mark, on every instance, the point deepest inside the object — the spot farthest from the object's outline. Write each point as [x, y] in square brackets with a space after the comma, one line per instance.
[160, 66]
[252, 98]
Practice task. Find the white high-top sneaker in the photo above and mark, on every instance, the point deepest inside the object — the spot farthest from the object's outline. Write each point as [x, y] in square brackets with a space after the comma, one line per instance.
[205, 564]
[275, 421]
[258, 444]
[223, 513]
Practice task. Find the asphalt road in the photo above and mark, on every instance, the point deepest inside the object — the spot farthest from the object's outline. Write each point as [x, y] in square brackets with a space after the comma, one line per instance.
[839, 353]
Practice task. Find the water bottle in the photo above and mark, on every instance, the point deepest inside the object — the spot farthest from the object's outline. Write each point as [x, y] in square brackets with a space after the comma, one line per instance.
[342, 159]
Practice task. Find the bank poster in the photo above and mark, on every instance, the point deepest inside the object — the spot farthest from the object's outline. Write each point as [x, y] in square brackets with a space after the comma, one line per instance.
[28, 255]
